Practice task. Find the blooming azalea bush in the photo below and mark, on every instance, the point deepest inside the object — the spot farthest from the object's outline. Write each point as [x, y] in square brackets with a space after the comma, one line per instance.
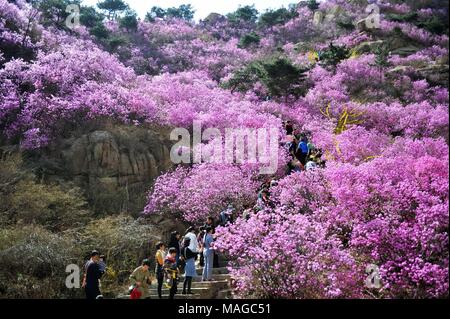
[283, 255]
[195, 193]
[391, 212]
[380, 120]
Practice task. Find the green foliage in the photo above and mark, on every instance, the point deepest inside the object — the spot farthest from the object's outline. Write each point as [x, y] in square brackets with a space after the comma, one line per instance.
[44, 228]
[271, 18]
[245, 14]
[435, 24]
[333, 55]
[155, 12]
[129, 21]
[33, 259]
[90, 17]
[346, 25]
[23, 200]
[278, 75]
[33, 262]
[124, 240]
[184, 11]
[403, 18]
[116, 42]
[249, 39]
[282, 78]
[53, 11]
[243, 79]
[99, 31]
[382, 56]
[112, 7]
[312, 5]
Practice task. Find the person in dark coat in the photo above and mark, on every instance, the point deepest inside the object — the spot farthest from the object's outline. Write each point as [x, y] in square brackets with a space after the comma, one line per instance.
[210, 223]
[289, 128]
[93, 273]
[175, 243]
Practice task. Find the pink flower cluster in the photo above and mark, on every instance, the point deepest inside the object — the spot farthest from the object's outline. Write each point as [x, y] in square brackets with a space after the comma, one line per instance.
[381, 199]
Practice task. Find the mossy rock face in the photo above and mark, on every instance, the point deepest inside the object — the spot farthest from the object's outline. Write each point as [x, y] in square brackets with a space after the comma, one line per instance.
[114, 165]
[213, 18]
[405, 51]
[435, 74]
[367, 47]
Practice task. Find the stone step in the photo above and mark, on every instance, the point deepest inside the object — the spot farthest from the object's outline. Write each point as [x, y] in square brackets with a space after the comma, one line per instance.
[200, 284]
[225, 294]
[215, 283]
[215, 271]
[214, 277]
[195, 290]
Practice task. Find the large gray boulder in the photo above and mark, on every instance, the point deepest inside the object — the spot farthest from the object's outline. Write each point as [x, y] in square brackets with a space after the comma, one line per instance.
[115, 166]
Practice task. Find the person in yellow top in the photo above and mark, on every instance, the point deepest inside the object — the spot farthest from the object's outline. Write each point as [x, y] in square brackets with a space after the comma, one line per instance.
[142, 279]
[159, 269]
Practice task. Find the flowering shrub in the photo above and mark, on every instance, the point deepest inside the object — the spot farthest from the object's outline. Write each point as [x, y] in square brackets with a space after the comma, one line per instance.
[380, 120]
[290, 256]
[390, 211]
[201, 191]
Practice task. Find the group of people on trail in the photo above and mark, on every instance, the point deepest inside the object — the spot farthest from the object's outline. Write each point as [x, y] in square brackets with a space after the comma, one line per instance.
[184, 252]
[305, 156]
[181, 257]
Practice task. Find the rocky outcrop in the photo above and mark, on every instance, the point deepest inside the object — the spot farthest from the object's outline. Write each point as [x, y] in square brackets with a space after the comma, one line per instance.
[436, 74]
[115, 166]
[367, 47]
[214, 18]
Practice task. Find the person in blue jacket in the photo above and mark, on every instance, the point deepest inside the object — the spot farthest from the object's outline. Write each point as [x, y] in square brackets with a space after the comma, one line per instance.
[303, 150]
[208, 253]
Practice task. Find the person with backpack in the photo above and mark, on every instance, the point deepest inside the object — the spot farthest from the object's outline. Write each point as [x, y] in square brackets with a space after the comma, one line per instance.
[171, 269]
[159, 267]
[193, 242]
[190, 272]
[93, 273]
[141, 280]
[208, 253]
[302, 150]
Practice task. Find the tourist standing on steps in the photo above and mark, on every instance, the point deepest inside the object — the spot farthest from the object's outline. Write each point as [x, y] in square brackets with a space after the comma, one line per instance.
[189, 269]
[289, 128]
[159, 268]
[193, 242]
[210, 223]
[141, 279]
[171, 268]
[93, 273]
[175, 243]
[208, 253]
[200, 236]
